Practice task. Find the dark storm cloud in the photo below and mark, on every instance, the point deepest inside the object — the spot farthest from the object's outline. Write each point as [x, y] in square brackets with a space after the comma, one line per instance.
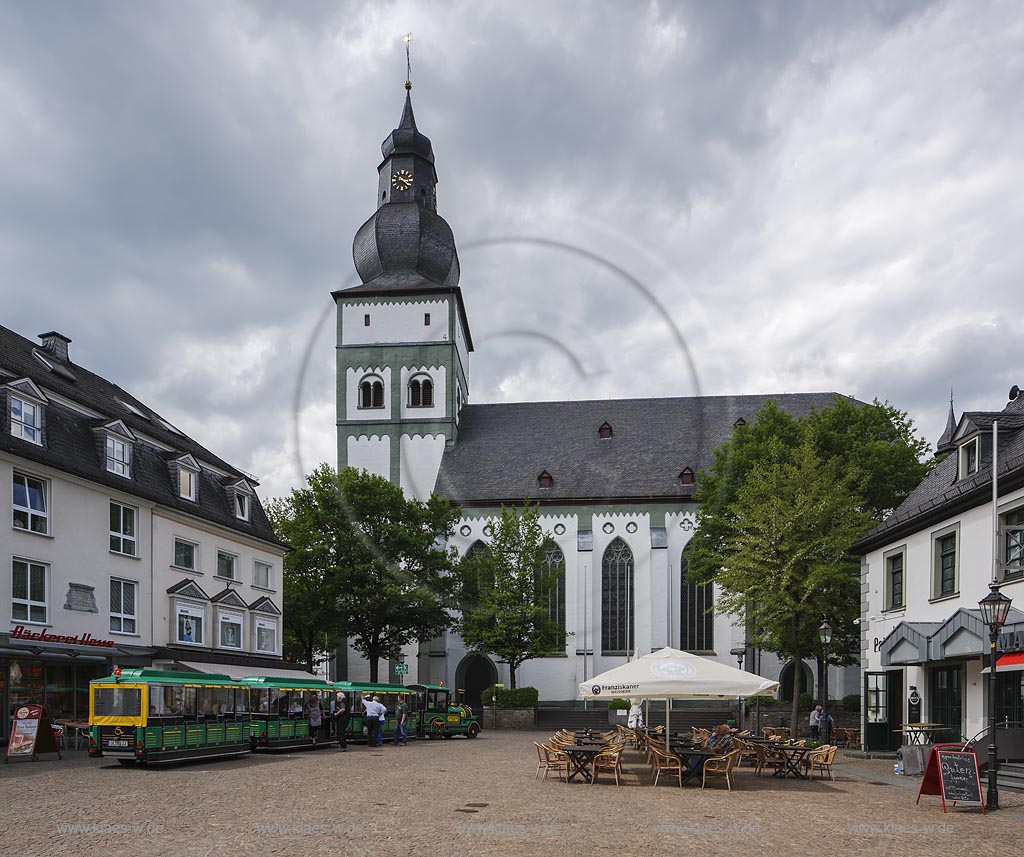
[817, 196]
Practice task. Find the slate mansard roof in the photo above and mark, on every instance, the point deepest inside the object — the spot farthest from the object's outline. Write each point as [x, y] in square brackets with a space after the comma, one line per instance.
[941, 494]
[71, 439]
[503, 448]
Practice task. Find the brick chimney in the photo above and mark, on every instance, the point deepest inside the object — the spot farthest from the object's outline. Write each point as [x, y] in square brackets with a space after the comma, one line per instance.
[56, 344]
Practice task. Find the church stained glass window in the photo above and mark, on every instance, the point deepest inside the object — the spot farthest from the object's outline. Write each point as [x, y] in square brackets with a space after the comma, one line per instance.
[697, 622]
[554, 559]
[617, 613]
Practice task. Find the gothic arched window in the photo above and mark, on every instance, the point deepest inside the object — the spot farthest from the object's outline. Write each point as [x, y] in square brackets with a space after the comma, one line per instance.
[421, 392]
[554, 559]
[371, 392]
[697, 618]
[473, 578]
[617, 614]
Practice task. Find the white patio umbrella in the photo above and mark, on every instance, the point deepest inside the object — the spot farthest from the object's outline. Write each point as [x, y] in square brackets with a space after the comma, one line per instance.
[673, 674]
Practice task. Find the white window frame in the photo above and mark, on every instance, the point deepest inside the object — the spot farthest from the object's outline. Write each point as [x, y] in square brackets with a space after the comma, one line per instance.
[29, 602]
[233, 617]
[117, 465]
[936, 541]
[195, 568]
[263, 623]
[234, 566]
[192, 611]
[31, 431]
[188, 490]
[121, 615]
[963, 460]
[269, 585]
[243, 505]
[133, 540]
[31, 514]
[887, 558]
[1007, 532]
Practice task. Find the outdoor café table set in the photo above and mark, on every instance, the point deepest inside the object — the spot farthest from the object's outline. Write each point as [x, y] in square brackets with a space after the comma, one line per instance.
[581, 755]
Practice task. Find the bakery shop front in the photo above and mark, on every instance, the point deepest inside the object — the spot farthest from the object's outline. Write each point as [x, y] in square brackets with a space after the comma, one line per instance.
[50, 668]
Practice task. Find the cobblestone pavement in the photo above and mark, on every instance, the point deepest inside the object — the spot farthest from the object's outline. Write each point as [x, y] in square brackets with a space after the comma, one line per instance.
[463, 797]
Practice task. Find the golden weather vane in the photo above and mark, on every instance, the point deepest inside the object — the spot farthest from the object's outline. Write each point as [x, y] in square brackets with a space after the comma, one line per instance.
[408, 62]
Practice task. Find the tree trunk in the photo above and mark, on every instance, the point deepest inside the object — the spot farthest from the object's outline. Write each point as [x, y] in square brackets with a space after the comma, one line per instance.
[374, 658]
[512, 674]
[798, 667]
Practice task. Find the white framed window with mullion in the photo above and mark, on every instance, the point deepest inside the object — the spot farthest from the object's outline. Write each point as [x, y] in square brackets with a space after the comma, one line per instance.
[30, 501]
[119, 456]
[29, 591]
[1012, 529]
[123, 529]
[261, 574]
[227, 565]
[26, 419]
[123, 606]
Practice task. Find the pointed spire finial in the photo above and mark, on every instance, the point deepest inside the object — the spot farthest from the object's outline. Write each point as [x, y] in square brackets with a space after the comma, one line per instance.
[408, 62]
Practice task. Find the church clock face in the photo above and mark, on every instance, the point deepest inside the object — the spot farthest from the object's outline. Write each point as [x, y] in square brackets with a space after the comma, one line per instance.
[401, 180]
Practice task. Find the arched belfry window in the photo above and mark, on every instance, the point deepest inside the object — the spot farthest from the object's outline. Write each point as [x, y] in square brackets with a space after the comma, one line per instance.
[554, 559]
[617, 614]
[697, 617]
[421, 392]
[371, 392]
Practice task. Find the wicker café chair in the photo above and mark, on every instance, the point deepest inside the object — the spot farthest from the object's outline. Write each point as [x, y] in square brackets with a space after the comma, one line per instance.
[609, 759]
[551, 759]
[821, 760]
[667, 763]
[748, 752]
[720, 766]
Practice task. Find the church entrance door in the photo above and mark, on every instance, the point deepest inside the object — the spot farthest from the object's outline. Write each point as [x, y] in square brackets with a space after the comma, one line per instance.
[473, 675]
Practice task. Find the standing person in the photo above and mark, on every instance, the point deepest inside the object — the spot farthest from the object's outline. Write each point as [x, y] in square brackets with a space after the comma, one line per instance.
[372, 711]
[383, 713]
[315, 715]
[815, 722]
[402, 730]
[341, 720]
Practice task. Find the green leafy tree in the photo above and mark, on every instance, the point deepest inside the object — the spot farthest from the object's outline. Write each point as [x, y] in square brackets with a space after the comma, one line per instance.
[869, 451]
[366, 565]
[795, 517]
[507, 590]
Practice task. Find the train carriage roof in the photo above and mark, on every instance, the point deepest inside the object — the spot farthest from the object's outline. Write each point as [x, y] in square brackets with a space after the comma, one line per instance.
[152, 676]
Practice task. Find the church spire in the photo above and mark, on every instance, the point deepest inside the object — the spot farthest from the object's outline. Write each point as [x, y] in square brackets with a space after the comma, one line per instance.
[945, 443]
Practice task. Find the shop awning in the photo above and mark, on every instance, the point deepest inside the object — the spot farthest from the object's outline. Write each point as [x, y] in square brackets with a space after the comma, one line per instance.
[237, 671]
[1008, 663]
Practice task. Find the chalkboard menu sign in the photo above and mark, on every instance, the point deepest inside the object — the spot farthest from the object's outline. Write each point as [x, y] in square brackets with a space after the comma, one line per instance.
[952, 773]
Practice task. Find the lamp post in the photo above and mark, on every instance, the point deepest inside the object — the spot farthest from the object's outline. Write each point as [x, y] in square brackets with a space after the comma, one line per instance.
[739, 653]
[825, 633]
[994, 608]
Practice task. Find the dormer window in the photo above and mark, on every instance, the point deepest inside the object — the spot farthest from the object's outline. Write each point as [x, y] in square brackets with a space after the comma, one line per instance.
[421, 392]
[545, 480]
[739, 423]
[605, 430]
[119, 456]
[241, 506]
[26, 419]
[968, 458]
[188, 483]
[686, 476]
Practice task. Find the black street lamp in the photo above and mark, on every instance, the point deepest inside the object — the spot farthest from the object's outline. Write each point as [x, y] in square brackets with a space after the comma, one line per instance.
[738, 653]
[825, 633]
[994, 609]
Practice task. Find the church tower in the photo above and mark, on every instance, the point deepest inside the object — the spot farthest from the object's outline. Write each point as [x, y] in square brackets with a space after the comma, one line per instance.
[403, 338]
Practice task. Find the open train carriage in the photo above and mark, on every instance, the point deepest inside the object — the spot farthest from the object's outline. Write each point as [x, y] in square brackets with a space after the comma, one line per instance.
[148, 716]
[389, 694]
[280, 713]
[434, 715]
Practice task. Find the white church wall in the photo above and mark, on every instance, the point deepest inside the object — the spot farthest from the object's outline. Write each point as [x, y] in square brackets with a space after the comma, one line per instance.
[353, 377]
[438, 376]
[394, 322]
[371, 453]
[420, 458]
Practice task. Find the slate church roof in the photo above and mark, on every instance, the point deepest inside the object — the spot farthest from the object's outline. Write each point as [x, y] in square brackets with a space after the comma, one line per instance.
[502, 448]
[71, 444]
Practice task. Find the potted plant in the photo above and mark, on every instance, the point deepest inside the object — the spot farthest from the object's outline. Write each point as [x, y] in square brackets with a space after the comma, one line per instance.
[618, 711]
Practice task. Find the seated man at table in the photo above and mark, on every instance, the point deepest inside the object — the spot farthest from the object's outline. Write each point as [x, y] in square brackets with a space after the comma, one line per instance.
[721, 742]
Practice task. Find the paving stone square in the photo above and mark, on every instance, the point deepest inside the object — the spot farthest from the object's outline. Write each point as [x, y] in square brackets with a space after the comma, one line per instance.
[464, 796]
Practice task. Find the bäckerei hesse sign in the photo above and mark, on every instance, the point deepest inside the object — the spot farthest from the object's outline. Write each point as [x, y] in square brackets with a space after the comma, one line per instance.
[20, 632]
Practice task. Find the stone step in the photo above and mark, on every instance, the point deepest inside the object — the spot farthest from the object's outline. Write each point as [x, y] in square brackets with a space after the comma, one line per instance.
[1011, 776]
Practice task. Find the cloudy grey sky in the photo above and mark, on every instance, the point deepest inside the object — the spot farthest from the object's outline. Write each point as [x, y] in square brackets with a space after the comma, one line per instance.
[814, 196]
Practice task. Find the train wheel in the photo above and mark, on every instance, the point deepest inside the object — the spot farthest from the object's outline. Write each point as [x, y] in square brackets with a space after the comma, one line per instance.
[473, 730]
[436, 729]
